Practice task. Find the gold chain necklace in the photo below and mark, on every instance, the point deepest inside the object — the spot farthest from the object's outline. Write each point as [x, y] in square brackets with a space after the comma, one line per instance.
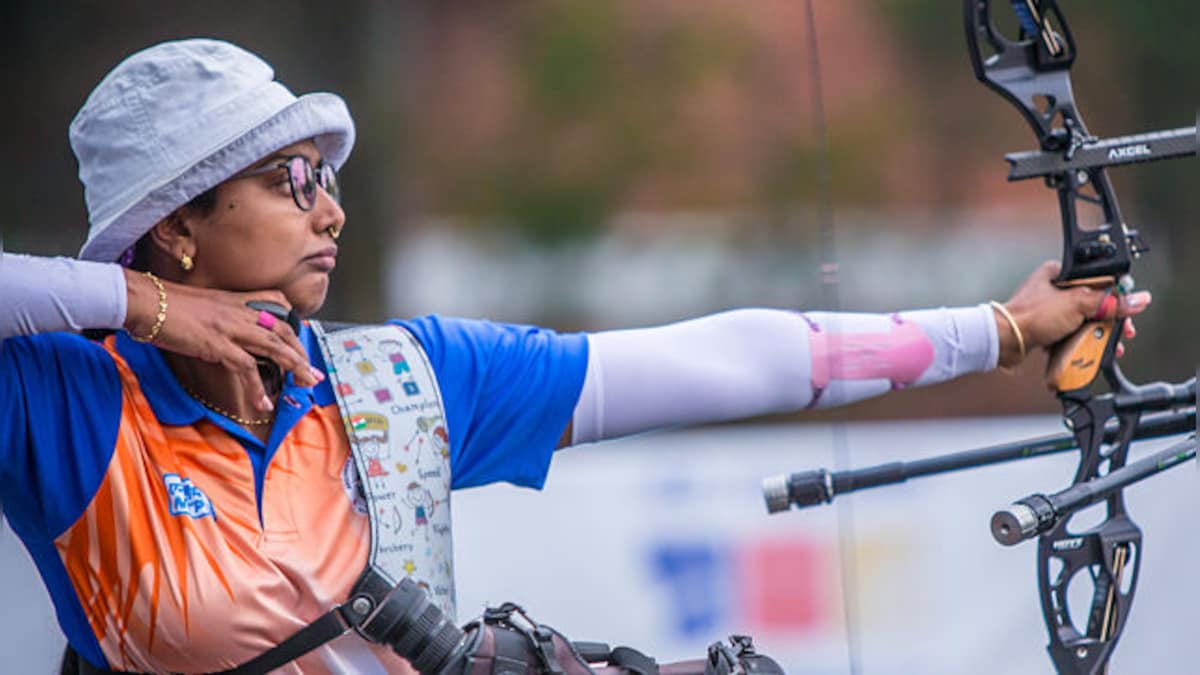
[221, 411]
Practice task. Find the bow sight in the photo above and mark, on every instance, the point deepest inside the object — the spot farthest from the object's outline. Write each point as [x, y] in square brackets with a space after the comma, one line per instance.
[1032, 72]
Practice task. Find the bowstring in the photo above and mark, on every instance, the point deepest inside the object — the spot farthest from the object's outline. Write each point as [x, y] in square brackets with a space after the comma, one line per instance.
[847, 550]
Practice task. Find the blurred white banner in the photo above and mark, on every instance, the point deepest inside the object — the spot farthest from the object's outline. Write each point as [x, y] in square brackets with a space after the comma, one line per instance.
[663, 543]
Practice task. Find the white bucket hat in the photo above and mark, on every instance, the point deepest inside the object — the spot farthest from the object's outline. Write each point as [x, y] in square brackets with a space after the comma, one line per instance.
[176, 119]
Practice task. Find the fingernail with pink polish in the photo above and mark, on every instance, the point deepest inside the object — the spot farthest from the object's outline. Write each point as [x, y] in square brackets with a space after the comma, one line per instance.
[266, 404]
[1138, 300]
[316, 373]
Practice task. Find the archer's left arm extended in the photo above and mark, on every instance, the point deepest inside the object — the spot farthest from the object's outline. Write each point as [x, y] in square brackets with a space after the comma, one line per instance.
[750, 362]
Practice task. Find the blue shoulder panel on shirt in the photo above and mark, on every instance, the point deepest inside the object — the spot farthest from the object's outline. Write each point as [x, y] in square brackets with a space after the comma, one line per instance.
[60, 407]
[509, 392]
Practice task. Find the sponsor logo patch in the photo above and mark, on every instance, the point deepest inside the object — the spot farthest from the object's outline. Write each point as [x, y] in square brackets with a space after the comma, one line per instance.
[185, 499]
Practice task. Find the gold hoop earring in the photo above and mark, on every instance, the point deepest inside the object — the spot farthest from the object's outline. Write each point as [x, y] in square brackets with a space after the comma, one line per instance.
[185, 261]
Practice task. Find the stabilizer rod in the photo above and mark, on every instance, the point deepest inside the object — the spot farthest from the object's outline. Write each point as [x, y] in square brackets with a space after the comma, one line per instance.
[820, 486]
[1038, 513]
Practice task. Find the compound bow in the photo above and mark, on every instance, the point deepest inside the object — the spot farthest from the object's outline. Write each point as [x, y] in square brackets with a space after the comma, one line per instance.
[1033, 74]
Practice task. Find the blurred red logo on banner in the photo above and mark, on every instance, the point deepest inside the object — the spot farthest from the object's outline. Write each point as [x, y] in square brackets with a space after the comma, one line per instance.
[781, 584]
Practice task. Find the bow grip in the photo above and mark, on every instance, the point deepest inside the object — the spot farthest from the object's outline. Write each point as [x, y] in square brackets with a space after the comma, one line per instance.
[1074, 361]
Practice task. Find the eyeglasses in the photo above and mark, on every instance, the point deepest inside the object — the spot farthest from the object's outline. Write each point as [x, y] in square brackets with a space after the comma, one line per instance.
[304, 179]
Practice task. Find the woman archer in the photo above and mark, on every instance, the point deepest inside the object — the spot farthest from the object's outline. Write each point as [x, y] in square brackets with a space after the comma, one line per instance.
[185, 515]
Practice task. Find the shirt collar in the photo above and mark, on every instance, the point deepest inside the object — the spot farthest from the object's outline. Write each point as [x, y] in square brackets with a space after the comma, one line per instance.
[173, 406]
[170, 403]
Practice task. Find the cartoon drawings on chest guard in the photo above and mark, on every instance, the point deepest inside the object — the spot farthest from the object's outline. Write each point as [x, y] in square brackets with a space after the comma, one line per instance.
[439, 440]
[371, 433]
[394, 520]
[422, 502]
[394, 351]
[429, 446]
[348, 393]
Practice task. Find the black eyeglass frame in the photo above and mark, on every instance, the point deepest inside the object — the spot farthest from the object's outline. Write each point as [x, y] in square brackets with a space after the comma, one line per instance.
[323, 176]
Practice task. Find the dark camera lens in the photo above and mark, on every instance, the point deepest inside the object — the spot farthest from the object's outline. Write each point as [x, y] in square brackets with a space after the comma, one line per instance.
[416, 629]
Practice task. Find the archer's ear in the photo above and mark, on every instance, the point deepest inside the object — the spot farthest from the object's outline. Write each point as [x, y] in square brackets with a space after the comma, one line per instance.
[173, 235]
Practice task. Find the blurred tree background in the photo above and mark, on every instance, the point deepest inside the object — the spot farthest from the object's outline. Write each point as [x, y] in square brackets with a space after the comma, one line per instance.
[565, 123]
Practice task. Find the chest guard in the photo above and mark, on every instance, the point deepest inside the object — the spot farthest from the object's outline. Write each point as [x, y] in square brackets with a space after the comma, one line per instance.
[400, 471]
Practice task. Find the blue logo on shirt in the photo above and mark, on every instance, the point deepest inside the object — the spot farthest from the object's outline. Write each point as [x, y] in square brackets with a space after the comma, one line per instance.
[186, 499]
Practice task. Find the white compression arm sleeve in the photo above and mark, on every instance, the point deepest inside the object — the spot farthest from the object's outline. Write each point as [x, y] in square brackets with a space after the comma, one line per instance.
[43, 295]
[757, 361]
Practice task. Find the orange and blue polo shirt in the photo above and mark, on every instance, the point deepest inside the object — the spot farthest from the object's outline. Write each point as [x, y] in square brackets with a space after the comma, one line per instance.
[171, 539]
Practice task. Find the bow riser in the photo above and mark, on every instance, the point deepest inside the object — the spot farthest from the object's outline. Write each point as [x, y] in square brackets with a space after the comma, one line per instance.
[1038, 85]
[1111, 554]
[1103, 249]
[1033, 74]
[1035, 82]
